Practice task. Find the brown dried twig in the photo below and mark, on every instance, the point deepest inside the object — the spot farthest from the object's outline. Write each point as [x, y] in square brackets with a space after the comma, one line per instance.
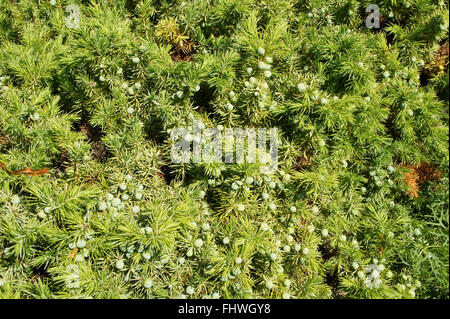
[26, 171]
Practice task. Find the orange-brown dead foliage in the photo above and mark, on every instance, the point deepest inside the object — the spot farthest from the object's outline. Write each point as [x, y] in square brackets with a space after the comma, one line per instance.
[418, 175]
[184, 52]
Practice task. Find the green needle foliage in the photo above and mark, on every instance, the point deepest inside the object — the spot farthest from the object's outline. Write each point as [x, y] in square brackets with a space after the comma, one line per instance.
[358, 207]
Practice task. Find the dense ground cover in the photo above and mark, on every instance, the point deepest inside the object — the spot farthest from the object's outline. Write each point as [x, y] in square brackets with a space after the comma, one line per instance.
[91, 205]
